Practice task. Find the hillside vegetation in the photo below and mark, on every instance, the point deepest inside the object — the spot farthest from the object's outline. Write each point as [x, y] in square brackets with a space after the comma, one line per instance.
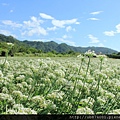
[11, 46]
[61, 48]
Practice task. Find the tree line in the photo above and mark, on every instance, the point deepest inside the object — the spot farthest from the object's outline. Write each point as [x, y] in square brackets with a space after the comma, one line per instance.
[13, 47]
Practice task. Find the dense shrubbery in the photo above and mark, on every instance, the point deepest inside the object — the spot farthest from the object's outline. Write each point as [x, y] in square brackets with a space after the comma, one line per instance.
[116, 56]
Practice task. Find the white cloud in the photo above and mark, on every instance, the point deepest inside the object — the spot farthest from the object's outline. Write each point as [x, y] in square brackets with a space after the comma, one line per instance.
[101, 45]
[51, 28]
[34, 22]
[118, 28]
[93, 39]
[11, 23]
[112, 33]
[33, 27]
[66, 36]
[109, 33]
[11, 11]
[69, 28]
[93, 19]
[40, 40]
[38, 30]
[62, 23]
[6, 32]
[95, 13]
[77, 23]
[45, 16]
[58, 23]
[5, 4]
[66, 41]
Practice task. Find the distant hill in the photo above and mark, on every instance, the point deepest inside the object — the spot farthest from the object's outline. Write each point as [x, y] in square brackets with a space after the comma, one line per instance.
[11, 39]
[63, 47]
[51, 46]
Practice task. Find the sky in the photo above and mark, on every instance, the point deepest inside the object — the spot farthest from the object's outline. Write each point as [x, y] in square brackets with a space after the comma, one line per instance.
[74, 22]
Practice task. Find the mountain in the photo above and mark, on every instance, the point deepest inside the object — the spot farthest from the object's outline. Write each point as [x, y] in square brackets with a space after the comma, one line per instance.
[11, 39]
[50, 46]
[63, 47]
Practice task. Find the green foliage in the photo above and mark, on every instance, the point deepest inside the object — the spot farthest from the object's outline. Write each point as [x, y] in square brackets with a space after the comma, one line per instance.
[116, 56]
[39, 48]
[64, 48]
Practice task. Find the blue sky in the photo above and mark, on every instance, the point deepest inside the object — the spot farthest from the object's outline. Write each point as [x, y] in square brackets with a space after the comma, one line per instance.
[75, 22]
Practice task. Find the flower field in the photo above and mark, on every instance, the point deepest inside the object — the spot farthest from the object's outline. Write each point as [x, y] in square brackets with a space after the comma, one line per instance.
[81, 85]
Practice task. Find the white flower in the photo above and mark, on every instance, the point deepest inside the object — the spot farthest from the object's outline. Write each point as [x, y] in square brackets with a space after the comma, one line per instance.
[81, 57]
[101, 100]
[47, 80]
[20, 77]
[5, 90]
[90, 53]
[59, 73]
[19, 85]
[50, 105]
[1, 74]
[116, 111]
[38, 98]
[10, 76]
[109, 95]
[18, 106]
[56, 95]
[61, 81]
[84, 110]
[17, 93]
[24, 84]
[4, 96]
[11, 111]
[87, 102]
[102, 57]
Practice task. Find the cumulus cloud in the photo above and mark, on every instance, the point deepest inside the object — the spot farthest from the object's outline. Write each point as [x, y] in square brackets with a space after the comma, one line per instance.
[109, 33]
[93, 19]
[6, 32]
[96, 13]
[112, 33]
[101, 45]
[40, 40]
[62, 23]
[45, 16]
[32, 27]
[93, 39]
[66, 36]
[11, 23]
[69, 28]
[39, 31]
[118, 28]
[51, 28]
[34, 22]
[66, 41]
[58, 23]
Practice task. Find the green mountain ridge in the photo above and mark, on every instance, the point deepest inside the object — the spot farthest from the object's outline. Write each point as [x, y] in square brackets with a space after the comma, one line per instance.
[63, 47]
[52, 46]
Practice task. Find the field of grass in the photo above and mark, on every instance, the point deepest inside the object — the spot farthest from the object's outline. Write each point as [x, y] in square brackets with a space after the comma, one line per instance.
[69, 85]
